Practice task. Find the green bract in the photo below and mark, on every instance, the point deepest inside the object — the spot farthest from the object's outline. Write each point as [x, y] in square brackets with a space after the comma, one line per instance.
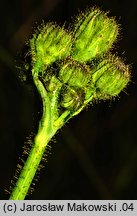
[94, 34]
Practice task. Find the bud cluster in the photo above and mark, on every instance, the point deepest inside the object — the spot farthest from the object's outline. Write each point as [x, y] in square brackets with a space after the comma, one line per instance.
[77, 82]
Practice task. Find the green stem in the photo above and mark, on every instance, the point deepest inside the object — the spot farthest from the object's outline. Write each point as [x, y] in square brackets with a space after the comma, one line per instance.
[47, 129]
[45, 133]
[29, 169]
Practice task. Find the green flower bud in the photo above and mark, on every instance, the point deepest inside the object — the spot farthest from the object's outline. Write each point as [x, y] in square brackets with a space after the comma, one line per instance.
[94, 34]
[110, 77]
[48, 45]
[72, 98]
[75, 74]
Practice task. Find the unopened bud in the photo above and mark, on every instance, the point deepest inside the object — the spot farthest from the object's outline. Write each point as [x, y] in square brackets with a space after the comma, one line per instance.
[72, 98]
[50, 44]
[110, 77]
[94, 35]
[75, 74]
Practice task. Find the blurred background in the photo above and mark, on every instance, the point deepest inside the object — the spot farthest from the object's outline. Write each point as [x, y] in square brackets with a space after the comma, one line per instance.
[95, 155]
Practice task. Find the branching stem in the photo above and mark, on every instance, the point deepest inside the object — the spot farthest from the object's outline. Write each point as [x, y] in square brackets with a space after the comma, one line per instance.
[46, 131]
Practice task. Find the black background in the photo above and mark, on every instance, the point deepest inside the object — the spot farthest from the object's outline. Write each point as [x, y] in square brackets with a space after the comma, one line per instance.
[95, 155]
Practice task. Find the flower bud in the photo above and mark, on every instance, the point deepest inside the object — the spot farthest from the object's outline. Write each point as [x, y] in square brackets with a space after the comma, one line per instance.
[50, 44]
[72, 98]
[75, 74]
[110, 77]
[94, 34]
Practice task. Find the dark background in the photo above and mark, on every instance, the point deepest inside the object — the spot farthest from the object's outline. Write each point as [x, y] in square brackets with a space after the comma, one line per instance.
[95, 155]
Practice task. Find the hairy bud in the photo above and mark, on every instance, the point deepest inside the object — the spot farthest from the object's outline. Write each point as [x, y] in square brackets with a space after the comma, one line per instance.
[75, 74]
[50, 44]
[94, 35]
[72, 98]
[110, 77]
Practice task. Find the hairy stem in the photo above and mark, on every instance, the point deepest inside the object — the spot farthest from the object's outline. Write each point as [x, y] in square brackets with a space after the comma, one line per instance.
[29, 170]
[45, 132]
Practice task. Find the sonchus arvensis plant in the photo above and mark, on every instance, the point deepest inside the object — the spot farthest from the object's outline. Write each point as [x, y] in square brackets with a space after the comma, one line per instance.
[86, 71]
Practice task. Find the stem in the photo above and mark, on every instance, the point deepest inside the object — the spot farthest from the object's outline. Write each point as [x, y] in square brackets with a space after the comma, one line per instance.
[48, 126]
[45, 133]
[29, 169]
